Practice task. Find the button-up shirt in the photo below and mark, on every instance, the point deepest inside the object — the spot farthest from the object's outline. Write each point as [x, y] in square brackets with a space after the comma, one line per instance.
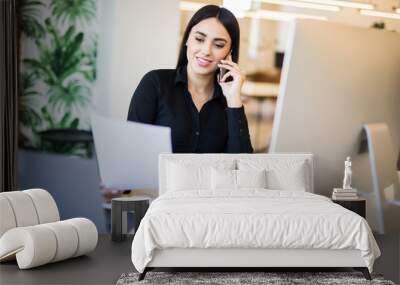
[162, 98]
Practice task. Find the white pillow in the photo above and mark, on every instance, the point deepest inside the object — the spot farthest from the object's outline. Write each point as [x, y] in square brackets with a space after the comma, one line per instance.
[288, 179]
[237, 179]
[251, 178]
[223, 179]
[281, 174]
[184, 175]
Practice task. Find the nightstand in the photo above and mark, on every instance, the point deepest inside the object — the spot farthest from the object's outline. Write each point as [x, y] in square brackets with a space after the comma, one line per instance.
[358, 206]
[119, 208]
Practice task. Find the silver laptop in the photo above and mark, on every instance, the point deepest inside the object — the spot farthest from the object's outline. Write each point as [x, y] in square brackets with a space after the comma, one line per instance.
[127, 152]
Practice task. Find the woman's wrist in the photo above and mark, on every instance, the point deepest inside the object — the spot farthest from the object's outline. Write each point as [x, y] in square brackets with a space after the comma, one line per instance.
[234, 103]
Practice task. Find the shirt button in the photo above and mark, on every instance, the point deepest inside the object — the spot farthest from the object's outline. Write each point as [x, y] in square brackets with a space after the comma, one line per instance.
[197, 133]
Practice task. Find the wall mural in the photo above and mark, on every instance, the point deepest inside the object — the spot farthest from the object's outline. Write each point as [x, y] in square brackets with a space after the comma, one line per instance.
[58, 55]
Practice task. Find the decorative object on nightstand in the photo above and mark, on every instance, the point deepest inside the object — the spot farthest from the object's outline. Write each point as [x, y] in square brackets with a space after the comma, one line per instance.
[358, 205]
[347, 192]
[344, 194]
[347, 174]
[119, 208]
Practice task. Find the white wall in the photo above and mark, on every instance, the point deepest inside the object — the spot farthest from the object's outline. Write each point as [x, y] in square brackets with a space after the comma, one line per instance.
[144, 37]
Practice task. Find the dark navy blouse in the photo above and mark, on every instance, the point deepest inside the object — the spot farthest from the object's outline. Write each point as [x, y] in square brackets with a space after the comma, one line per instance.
[162, 98]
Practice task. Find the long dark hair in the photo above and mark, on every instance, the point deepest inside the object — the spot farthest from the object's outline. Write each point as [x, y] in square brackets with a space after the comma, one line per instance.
[227, 19]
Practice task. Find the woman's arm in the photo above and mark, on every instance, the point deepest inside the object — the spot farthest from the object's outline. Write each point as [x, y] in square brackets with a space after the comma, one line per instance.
[144, 102]
[238, 132]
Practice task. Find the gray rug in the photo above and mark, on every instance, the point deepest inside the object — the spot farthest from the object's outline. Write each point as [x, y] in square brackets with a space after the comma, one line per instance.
[243, 278]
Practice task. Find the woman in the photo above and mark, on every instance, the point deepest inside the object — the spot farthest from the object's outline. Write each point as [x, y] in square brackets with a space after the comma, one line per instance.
[200, 104]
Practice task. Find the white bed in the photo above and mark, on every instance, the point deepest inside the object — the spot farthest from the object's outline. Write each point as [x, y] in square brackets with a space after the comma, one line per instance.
[198, 222]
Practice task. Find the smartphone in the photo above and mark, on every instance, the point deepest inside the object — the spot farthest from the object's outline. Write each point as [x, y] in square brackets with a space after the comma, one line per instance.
[222, 71]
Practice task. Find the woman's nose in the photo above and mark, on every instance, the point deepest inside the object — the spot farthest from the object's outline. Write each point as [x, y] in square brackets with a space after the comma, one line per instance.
[206, 49]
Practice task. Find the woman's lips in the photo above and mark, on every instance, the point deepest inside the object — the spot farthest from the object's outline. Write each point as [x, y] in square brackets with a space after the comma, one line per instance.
[203, 62]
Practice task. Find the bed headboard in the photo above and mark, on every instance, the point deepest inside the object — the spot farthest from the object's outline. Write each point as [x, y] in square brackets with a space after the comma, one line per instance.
[203, 159]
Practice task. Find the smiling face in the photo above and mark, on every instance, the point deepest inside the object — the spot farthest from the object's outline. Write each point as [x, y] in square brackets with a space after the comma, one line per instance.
[208, 42]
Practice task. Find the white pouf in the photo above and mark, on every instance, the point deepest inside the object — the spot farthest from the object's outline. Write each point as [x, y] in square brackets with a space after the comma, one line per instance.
[31, 233]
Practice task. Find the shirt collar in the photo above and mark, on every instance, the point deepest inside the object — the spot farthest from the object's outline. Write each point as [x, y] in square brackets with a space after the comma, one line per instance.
[181, 77]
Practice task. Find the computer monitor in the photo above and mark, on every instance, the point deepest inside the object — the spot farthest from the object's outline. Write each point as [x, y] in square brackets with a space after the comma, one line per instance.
[335, 79]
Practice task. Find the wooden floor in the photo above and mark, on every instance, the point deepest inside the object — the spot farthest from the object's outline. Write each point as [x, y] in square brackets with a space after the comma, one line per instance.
[110, 259]
[103, 266]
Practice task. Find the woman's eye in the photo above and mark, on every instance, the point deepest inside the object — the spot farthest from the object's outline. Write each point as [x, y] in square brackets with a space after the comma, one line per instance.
[200, 40]
[219, 46]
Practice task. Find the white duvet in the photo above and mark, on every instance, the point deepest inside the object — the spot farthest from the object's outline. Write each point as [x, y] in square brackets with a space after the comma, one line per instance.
[251, 218]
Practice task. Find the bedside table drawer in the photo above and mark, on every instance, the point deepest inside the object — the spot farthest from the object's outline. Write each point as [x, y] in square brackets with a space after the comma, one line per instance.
[357, 206]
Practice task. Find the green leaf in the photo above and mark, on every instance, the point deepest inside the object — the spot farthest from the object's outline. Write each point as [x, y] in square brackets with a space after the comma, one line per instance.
[47, 117]
[28, 101]
[73, 11]
[29, 13]
[74, 124]
[64, 120]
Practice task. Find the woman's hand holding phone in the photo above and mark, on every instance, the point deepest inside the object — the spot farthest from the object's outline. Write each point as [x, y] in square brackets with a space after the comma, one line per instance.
[231, 89]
